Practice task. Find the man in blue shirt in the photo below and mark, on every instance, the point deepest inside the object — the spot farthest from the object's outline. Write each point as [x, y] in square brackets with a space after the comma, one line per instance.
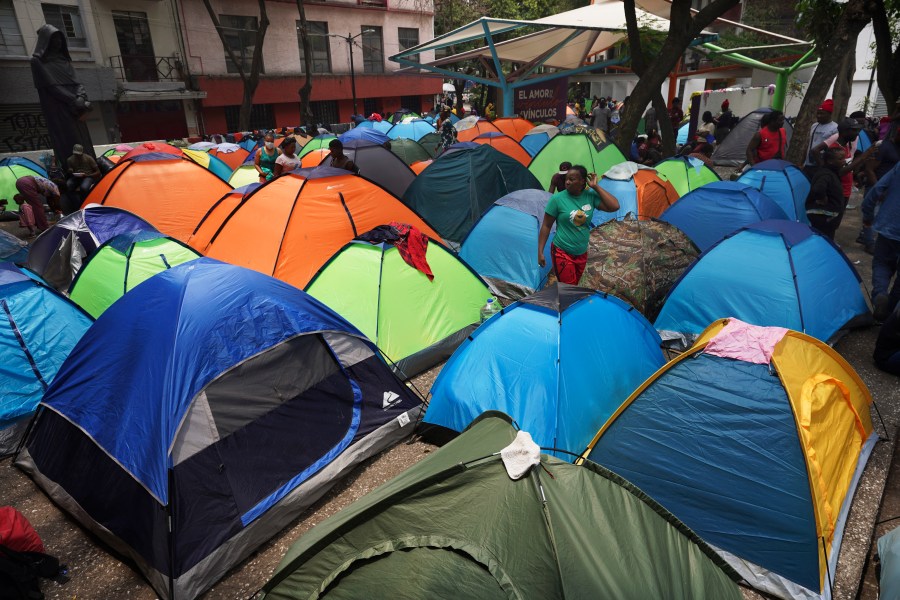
[887, 245]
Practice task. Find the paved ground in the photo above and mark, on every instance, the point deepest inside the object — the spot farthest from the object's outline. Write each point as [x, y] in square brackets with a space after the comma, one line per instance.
[95, 573]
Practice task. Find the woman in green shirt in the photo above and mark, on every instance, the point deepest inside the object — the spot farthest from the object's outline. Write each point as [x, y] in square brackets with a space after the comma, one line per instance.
[572, 209]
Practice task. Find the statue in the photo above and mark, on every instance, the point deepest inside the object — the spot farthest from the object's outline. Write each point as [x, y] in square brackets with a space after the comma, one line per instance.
[64, 101]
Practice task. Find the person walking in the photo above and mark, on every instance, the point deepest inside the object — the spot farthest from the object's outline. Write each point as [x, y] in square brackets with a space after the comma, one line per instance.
[448, 132]
[600, 116]
[886, 225]
[572, 210]
[819, 131]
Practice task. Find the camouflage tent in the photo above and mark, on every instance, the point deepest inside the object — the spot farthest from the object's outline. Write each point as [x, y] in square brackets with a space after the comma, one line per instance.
[637, 261]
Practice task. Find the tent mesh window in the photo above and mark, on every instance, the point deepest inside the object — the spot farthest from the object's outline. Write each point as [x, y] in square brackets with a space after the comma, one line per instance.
[262, 116]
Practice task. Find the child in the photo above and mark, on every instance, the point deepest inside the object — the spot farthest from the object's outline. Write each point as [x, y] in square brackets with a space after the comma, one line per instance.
[558, 182]
[826, 194]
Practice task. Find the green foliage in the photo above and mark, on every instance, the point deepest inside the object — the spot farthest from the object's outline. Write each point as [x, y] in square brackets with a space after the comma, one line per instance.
[819, 18]
[450, 14]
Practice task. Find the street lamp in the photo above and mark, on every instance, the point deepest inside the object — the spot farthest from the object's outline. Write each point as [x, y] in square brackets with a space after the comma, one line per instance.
[349, 39]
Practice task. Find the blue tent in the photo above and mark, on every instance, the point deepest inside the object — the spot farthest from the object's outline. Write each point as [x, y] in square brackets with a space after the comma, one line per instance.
[682, 137]
[457, 188]
[58, 253]
[40, 328]
[713, 211]
[12, 161]
[382, 126]
[559, 363]
[216, 399]
[413, 130]
[12, 249]
[641, 192]
[502, 245]
[249, 144]
[364, 133]
[782, 182]
[772, 273]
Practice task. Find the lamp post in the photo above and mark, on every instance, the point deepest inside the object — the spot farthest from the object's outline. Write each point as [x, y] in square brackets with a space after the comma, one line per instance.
[349, 39]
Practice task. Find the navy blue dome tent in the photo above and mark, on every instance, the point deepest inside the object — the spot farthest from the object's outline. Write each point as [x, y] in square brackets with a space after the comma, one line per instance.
[215, 399]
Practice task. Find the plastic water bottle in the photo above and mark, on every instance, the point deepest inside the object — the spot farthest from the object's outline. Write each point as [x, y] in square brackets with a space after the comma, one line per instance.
[488, 310]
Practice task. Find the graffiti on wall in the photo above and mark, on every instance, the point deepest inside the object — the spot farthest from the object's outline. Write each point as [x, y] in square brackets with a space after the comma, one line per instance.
[22, 129]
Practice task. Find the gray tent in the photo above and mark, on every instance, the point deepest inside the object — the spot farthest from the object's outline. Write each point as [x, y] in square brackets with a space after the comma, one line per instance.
[378, 164]
[732, 152]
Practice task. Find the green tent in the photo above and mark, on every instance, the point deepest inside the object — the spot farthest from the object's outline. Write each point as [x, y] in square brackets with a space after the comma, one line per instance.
[122, 263]
[244, 175]
[431, 142]
[462, 184]
[577, 148]
[409, 151]
[415, 322]
[685, 173]
[317, 143]
[11, 169]
[456, 525]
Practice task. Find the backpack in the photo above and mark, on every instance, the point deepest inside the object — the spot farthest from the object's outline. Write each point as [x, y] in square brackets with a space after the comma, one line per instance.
[20, 573]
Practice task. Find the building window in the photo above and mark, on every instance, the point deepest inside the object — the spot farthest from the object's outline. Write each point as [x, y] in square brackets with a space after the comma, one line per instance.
[10, 37]
[321, 47]
[68, 20]
[370, 105]
[413, 103]
[325, 112]
[240, 36]
[262, 116]
[409, 38]
[373, 49]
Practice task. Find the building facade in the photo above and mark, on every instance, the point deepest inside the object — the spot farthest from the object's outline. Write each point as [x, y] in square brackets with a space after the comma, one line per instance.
[371, 29]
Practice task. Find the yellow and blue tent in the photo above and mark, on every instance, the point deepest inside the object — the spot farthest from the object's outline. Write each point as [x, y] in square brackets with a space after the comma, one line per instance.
[213, 164]
[756, 439]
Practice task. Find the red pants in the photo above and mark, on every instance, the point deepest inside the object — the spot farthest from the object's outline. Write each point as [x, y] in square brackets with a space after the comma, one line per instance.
[568, 268]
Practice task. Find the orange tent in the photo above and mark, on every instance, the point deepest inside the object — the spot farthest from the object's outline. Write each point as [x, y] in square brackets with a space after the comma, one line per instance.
[232, 159]
[640, 191]
[482, 126]
[420, 165]
[314, 158]
[172, 193]
[506, 145]
[514, 127]
[149, 147]
[309, 215]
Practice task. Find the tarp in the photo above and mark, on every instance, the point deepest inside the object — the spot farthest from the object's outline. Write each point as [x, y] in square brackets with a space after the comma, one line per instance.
[577, 149]
[122, 263]
[243, 400]
[171, 193]
[466, 530]
[307, 216]
[772, 273]
[415, 321]
[557, 362]
[715, 210]
[685, 173]
[502, 245]
[732, 152]
[760, 459]
[637, 261]
[455, 190]
[38, 329]
[782, 182]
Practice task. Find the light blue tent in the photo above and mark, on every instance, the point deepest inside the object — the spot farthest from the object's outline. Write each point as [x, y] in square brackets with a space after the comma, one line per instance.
[12, 249]
[782, 182]
[559, 363]
[641, 192]
[538, 137]
[503, 244]
[772, 273]
[413, 130]
[682, 137]
[39, 329]
[713, 211]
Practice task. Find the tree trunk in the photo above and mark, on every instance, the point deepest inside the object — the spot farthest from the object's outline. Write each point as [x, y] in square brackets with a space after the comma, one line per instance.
[855, 16]
[683, 28]
[887, 57]
[843, 85]
[251, 79]
[305, 91]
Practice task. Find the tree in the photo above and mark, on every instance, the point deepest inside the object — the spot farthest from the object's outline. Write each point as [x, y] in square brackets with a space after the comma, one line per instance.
[305, 91]
[249, 78]
[683, 29]
[886, 27]
[848, 20]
